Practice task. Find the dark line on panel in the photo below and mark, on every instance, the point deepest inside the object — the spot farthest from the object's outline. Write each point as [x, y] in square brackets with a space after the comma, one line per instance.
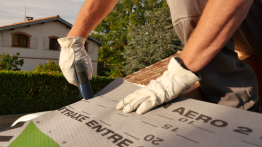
[131, 136]
[166, 117]
[85, 101]
[204, 129]
[149, 124]
[105, 123]
[114, 101]
[20, 124]
[187, 138]
[122, 115]
[85, 113]
[251, 143]
[5, 138]
[101, 106]
[71, 107]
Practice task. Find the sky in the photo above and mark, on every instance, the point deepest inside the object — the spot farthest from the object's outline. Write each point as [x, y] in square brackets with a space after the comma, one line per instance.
[12, 11]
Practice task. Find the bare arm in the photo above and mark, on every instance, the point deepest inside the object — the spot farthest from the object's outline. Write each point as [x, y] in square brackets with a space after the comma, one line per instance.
[90, 15]
[216, 26]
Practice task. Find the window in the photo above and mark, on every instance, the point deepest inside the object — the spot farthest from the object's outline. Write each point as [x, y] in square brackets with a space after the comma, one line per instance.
[53, 44]
[20, 40]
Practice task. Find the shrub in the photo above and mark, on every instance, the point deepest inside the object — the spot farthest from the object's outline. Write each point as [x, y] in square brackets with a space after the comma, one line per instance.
[28, 92]
[151, 42]
[8, 62]
[48, 67]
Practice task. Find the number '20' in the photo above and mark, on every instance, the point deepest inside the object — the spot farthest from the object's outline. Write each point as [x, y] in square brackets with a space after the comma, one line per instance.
[155, 140]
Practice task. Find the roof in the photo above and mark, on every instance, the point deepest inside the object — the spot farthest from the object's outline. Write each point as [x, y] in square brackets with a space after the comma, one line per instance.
[42, 21]
[152, 72]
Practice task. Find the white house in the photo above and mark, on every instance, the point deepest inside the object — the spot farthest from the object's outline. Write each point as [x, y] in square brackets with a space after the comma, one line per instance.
[36, 41]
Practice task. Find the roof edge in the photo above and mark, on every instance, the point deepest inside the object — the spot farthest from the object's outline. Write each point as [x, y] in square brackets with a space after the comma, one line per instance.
[94, 39]
[58, 18]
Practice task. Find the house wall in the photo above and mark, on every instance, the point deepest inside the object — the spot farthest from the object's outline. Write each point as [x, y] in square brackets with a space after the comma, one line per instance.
[39, 52]
[93, 54]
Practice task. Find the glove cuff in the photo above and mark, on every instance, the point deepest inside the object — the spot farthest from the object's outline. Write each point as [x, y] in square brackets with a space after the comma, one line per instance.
[185, 74]
[67, 42]
[184, 66]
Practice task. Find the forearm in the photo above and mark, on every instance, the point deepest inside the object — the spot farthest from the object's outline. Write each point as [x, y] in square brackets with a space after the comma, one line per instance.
[216, 26]
[90, 15]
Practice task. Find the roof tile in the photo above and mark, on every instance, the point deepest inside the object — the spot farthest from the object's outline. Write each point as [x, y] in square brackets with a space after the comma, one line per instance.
[152, 72]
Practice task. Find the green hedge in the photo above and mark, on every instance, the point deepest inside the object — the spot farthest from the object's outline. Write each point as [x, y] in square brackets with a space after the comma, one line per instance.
[28, 92]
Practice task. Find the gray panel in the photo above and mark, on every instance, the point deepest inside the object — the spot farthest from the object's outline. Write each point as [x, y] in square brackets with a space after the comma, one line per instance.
[181, 122]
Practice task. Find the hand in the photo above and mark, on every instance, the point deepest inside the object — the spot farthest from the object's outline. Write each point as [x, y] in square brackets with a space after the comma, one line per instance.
[73, 51]
[165, 88]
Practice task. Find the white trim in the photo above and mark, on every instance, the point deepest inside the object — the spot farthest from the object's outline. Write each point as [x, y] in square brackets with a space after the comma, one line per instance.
[28, 117]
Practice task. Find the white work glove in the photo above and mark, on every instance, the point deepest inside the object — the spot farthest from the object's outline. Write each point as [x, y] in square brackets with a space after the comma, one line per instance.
[72, 52]
[170, 85]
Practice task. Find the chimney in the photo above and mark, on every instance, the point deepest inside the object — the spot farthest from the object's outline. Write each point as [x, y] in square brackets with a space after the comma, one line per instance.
[28, 18]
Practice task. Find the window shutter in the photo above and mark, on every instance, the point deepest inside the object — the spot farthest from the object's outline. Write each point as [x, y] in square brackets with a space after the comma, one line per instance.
[7, 41]
[91, 48]
[34, 42]
[46, 43]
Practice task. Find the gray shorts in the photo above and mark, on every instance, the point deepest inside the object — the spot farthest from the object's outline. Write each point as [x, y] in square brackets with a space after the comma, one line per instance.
[226, 80]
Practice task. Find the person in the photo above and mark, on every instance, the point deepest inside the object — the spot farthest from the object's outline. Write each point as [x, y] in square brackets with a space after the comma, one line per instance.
[210, 31]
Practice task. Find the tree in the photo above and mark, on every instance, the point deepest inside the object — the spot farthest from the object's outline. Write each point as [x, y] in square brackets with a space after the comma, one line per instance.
[48, 67]
[8, 62]
[151, 42]
[113, 31]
